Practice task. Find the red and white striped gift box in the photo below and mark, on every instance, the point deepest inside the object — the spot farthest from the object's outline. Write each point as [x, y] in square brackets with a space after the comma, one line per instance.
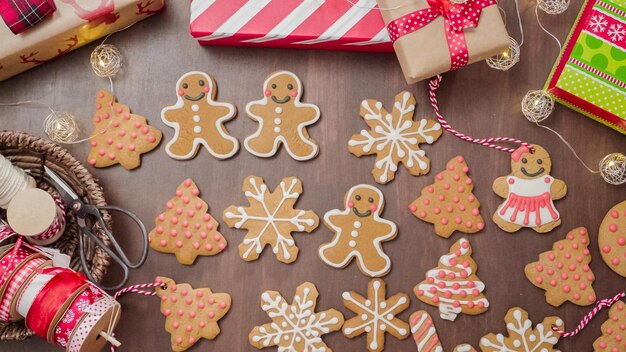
[304, 24]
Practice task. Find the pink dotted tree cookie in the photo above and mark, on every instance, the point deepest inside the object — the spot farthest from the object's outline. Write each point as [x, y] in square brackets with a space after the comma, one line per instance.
[119, 137]
[453, 286]
[612, 238]
[186, 229]
[191, 314]
[449, 203]
[613, 337]
[564, 272]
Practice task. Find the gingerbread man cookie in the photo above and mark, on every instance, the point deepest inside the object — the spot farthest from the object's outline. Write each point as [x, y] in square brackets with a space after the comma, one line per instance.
[359, 231]
[612, 238]
[282, 119]
[197, 119]
[529, 192]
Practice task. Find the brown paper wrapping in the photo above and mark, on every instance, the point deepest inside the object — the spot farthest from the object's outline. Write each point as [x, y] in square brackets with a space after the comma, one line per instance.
[74, 24]
[424, 53]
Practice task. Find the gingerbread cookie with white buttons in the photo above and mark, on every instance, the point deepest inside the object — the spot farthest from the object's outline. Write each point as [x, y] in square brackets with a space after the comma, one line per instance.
[197, 119]
[282, 119]
[359, 232]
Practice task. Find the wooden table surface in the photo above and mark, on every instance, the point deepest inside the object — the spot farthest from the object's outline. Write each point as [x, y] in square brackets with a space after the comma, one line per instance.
[477, 100]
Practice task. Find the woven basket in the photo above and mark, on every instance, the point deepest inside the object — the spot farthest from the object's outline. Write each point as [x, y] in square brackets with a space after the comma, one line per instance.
[30, 153]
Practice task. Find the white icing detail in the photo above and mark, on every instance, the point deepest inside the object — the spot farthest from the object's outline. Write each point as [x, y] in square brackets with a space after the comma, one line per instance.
[279, 138]
[277, 121]
[276, 129]
[355, 253]
[219, 123]
[399, 135]
[284, 241]
[354, 234]
[195, 107]
[278, 110]
[427, 336]
[196, 118]
[352, 244]
[197, 129]
[529, 188]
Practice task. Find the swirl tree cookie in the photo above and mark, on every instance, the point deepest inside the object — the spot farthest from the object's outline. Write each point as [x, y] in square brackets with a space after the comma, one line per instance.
[191, 314]
[394, 137]
[119, 137]
[270, 219]
[612, 238]
[529, 192]
[564, 272]
[282, 119]
[197, 119]
[376, 315]
[186, 229]
[295, 327]
[522, 337]
[453, 286]
[426, 337]
[359, 232]
[449, 203]
[613, 330]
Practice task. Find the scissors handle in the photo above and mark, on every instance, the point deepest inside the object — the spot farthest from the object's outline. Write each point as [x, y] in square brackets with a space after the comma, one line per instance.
[116, 253]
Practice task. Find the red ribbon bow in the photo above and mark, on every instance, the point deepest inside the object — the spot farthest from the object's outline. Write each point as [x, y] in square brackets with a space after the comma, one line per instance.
[457, 17]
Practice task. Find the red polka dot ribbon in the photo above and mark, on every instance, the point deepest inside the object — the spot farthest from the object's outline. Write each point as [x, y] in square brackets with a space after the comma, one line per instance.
[603, 303]
[456, 18]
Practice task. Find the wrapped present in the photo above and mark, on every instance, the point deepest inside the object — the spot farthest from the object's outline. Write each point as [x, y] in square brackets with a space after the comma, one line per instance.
[23, 14]
[435, 36]
[74, 24]
[304, 24]
[590, 74]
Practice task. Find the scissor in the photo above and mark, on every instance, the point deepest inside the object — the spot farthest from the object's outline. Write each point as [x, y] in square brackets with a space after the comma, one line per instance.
[84, 211]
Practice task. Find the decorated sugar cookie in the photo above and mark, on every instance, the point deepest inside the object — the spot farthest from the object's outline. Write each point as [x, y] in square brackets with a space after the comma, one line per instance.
[453, 286]
[564, 272]
[295, 327]
[612, 238]
[197, 119]
[359, 232]
[282, 119]
[426, 337]
[449, 203]
[191, 314]
[119, 136]
[522, 337]
[613, 330]
[270, 219]
[394, 137]
[186, 229]
[529, 192]
[376, 315]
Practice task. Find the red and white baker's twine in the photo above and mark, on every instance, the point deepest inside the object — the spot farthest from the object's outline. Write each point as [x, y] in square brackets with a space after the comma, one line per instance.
[57, 224]
[603, 303]
[139, 289]
[487, 142]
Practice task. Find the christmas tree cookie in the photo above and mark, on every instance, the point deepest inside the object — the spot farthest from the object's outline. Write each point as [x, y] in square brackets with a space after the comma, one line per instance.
[453, 286]
[564, 272]
[119, 137]
[449, 203]
[190, 314]
[186, 229]
[522, 337]
[613, 331]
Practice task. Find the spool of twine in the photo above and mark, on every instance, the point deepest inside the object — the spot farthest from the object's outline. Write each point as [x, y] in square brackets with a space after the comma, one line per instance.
[37, 215]
[12, 181]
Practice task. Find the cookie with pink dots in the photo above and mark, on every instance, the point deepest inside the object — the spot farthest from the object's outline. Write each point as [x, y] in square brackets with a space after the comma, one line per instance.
[282, 119]
[612, 238]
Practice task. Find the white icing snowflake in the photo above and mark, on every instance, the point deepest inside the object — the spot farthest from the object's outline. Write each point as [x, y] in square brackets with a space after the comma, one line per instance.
[616, 32]
[270, 218]
[598, 23]
[394, 137]
[295, 327]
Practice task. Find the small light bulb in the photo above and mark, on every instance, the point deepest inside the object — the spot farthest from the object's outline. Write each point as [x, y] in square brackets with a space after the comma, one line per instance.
[505, 54]
[611, 163]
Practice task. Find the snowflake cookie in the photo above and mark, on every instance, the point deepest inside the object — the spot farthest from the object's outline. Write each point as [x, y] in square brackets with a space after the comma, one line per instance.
[270, 218]
[394, 137]
[522, 337]
[376, 315]
[295, 327]
[359, 232]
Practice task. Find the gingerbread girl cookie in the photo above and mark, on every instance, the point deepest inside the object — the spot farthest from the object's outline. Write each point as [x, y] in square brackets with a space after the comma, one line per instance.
[282, 119]
[529, 192]
[359, 231]
[197, 119]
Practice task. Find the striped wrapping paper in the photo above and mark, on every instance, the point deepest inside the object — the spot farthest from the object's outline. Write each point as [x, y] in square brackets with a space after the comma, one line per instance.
[304, 24]
[590, 74]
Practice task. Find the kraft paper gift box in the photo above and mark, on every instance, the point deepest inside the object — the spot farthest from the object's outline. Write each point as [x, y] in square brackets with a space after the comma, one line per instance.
[74, 24]
[424, 53]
